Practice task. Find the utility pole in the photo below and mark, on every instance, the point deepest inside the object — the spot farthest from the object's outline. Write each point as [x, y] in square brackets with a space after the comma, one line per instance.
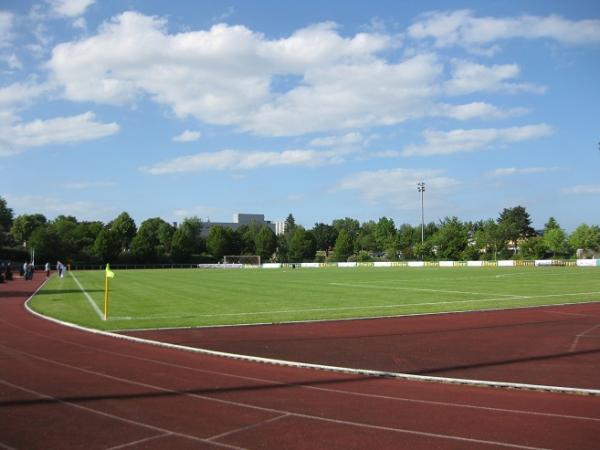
[421, 189]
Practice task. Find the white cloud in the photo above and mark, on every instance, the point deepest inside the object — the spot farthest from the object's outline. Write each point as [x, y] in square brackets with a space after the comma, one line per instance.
[223, 75]
[79, 185]
[80, 23]
[187, 136]
[238, 160]
[353, 139]
[13, 62]
[463, 28]
[469, 77]
[6, 28]
[510, 171]
[592, 189]
[16, 96]
[60, 130]
[51, 206]
[457, 141]
[478, 110]
[397, 186]
[69, 8]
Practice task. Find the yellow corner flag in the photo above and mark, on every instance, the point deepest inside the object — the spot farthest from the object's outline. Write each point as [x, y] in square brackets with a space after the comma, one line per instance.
[109, 274]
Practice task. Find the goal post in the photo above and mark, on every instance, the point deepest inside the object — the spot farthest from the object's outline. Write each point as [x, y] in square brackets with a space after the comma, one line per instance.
[247, 260]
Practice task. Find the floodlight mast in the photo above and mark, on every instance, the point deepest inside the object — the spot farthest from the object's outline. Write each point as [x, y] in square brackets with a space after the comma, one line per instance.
[421, 189]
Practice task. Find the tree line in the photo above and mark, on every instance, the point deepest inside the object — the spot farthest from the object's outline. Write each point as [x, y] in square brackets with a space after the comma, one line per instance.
[157, 241]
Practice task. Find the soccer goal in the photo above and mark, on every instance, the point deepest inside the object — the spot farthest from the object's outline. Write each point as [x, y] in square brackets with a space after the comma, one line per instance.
[247, 260]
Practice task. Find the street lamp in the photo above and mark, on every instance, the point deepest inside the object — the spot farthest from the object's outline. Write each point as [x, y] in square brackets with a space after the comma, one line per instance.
[421, 189]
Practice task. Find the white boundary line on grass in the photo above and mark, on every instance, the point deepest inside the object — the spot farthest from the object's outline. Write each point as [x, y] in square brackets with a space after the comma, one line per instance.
[372, 307]
[301, 365]
[89, 298]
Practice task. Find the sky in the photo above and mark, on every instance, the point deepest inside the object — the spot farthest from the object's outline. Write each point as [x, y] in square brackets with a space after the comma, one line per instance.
[320, 109]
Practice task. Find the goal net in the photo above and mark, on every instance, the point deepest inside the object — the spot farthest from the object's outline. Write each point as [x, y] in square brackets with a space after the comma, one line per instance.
[247, 260]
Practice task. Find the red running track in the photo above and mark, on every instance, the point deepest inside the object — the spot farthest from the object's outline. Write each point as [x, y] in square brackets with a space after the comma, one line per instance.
[65, 388]
[553, 346]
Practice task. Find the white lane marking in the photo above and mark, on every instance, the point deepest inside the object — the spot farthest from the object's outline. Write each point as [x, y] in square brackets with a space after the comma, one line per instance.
[366, 285]
[580, 335]
[296, 364]
[105, 414]
[308, 386]
[249, 427]
[242, 405]
[89, 299]
[141, 441]
[371, 307]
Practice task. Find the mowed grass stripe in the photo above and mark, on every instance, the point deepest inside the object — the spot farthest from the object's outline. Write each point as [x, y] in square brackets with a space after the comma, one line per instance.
[192, 297]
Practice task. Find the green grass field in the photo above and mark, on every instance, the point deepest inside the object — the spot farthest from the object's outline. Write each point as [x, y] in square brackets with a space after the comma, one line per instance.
[192, 297]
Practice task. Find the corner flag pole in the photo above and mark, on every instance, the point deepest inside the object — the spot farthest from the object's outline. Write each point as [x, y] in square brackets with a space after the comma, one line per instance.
[108, 274]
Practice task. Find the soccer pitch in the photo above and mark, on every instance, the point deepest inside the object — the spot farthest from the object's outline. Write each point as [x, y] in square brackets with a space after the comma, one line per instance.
[193, 297]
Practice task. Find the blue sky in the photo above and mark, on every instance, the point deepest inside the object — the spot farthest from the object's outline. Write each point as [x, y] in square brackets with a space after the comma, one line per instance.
[319, 109]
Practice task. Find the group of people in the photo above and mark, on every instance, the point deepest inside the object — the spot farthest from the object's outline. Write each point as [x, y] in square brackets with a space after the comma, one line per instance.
[5, 271]
[28, 269]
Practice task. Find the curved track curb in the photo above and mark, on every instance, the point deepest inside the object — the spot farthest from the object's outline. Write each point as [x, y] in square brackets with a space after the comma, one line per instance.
[365, 372]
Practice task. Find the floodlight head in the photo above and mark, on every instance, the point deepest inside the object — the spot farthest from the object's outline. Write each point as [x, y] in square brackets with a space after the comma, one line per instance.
[421, 186]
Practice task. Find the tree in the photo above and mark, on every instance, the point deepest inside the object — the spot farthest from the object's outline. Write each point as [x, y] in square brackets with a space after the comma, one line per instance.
[344, 246]
[367, 237]
[385, 234]
[46, 242]
[585, 237]
[84, 237]
[265, 243]
[551, 224]
[352, 228]
[6, 220]
[489, 238]
[556, 241]
[65, 227]
[408, 236]
[24, 225]
[107, 245]
[151, 241]
[325, 235]
[534, 248]
[302, 245]
[6, 215]
[187, 240]
[290, 224]
[451, 239]
[124, 229]
[515, 223]
[219, 241]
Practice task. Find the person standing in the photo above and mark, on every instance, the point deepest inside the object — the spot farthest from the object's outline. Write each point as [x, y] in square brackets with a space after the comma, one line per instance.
[47, 269]
[29, 272]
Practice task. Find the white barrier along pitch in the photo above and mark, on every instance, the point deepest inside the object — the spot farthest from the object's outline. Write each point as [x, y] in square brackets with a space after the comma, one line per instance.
[310, 265]
[506, 263]
[446, 263]
[347, 264]
[271, 266]
[474, 263]
[382, 264]
[416, 264]
[587, 262]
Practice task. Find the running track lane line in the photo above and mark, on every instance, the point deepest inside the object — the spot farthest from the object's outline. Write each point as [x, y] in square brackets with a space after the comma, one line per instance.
[302, 386]
[241, 405]
[580, 335]
[279, 362]
[163, 431]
